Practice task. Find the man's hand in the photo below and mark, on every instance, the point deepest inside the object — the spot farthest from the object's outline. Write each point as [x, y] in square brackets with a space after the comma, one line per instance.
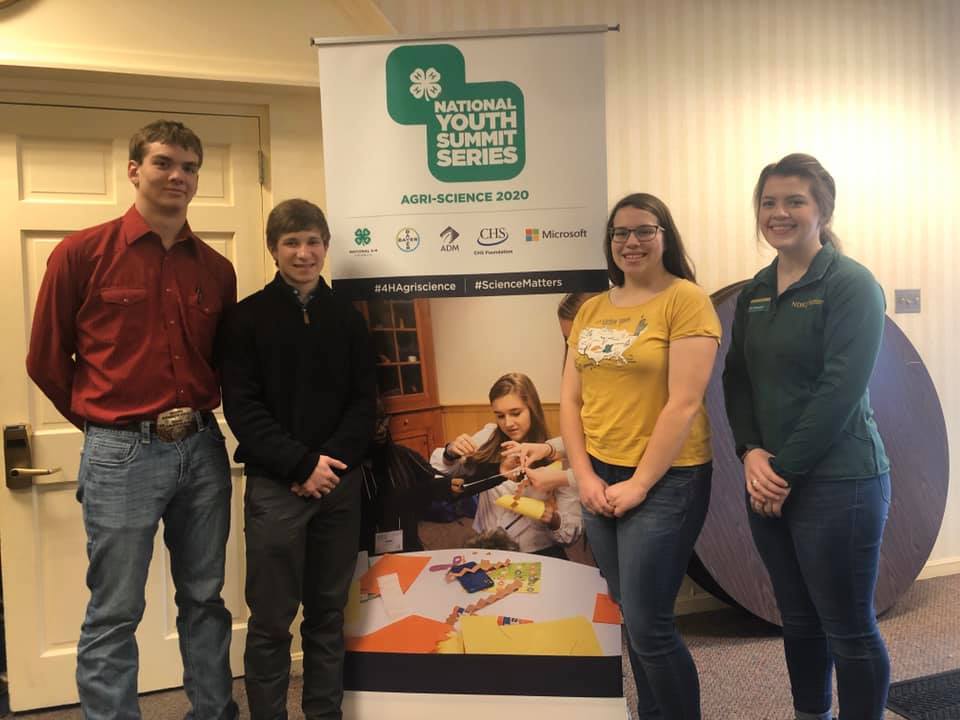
[322, 480]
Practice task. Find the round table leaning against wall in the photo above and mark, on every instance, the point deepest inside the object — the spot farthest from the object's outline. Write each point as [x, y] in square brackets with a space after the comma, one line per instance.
[911, 423]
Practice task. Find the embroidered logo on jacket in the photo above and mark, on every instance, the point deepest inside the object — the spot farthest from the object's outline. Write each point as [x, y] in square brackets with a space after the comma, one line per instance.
[804, 304]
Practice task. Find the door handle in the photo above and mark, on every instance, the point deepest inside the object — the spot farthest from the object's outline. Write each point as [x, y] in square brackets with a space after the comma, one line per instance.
[33, 472]
[18, 458]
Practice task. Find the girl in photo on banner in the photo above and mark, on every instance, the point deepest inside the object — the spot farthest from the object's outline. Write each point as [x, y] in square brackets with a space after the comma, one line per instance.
[806, 335]
[638, 440]
[496, 449]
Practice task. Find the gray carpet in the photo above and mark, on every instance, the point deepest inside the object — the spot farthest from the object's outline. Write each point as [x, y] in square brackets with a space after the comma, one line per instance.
[740, 659]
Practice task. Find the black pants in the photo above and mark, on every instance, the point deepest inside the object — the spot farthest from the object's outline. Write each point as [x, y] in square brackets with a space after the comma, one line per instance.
[298, 550]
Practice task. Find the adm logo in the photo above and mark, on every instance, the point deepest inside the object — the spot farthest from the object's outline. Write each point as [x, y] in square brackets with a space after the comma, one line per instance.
[408, 239]
[449, 237]
[492, 236]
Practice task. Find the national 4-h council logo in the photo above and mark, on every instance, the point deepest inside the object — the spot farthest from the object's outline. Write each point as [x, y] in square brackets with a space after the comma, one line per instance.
[408, 239]
[361, 236]
[475, 131]
[363, 240]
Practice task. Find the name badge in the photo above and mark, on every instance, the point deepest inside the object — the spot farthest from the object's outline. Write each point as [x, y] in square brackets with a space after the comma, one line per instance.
[759, 305]
[384, 542]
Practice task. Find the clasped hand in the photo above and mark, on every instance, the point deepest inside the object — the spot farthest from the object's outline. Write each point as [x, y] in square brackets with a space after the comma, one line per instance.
[322, 480]
[768, 491]
[611, 500]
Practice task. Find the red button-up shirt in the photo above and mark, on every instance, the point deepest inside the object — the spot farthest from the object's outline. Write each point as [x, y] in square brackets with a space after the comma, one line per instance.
[124, 329]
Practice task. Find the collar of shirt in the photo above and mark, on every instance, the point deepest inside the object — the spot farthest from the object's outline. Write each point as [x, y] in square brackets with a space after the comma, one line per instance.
[286, 288]
[134, 227]
[818, 268]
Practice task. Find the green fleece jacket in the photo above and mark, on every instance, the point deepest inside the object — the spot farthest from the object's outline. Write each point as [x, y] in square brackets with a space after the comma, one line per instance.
[796, 375]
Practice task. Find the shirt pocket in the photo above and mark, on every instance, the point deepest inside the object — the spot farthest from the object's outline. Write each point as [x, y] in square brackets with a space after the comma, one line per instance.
[123, 295]
[203, 314]
[122, 310]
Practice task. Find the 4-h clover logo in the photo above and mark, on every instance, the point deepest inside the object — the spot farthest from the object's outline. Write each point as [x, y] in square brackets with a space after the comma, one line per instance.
[475, 131]
[361, 236]
[426, 84]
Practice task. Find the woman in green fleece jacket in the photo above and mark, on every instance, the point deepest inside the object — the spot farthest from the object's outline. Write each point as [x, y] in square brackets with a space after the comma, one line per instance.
[805, 339]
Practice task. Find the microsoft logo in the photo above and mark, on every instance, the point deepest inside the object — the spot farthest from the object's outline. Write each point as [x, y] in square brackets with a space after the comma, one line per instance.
[532, 234]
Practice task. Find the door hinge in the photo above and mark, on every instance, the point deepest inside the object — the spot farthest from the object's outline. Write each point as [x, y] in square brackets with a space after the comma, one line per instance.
[261, 166]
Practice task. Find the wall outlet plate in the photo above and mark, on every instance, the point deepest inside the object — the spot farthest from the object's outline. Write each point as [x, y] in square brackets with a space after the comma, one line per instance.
[906, 301]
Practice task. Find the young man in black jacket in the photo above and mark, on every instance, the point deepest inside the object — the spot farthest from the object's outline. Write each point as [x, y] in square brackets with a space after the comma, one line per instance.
[299, 393]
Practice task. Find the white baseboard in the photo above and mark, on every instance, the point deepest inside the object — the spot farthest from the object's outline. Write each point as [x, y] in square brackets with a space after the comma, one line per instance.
[939, 568]
[693, 600]
[699, 602]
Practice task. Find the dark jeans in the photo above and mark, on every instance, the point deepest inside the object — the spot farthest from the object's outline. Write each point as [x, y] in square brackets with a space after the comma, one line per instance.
[298, 550]
[643, 556]
[823, 556]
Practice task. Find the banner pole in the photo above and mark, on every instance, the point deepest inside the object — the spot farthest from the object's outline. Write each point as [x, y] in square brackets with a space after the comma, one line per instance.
[374, 39]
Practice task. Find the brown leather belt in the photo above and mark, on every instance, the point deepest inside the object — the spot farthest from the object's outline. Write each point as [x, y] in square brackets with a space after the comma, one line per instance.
[169, 426]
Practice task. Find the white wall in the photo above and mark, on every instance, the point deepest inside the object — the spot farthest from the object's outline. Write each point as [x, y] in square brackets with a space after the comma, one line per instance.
[702, 93]
[239, 40]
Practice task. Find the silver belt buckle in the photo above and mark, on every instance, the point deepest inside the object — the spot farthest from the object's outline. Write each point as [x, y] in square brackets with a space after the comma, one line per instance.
[175, 424]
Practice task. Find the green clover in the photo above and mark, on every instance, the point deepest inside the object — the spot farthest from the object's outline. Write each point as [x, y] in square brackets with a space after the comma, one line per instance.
[426, 84]
[361, 236]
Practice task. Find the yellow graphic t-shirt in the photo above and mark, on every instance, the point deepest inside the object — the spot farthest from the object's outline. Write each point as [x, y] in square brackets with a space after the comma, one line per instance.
[622, 356]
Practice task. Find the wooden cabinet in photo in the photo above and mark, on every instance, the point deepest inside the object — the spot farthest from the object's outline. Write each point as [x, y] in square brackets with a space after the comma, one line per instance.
[402, 338]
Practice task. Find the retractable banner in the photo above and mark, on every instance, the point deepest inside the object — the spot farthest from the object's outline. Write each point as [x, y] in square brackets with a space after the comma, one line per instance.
[466, 166]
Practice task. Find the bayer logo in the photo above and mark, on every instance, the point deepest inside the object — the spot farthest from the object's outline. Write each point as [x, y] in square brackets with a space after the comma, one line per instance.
[408, 239]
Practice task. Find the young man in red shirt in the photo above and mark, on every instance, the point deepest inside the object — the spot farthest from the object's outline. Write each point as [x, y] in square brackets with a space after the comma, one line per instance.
[122, 344]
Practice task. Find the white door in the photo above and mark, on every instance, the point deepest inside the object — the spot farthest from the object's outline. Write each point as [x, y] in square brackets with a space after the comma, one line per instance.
[62, 169]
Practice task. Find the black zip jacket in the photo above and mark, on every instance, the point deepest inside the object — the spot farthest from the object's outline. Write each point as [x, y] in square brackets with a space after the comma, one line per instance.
[298, 381]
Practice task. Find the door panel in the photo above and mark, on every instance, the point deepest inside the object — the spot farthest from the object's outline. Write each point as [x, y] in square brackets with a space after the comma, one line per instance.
[63, 169]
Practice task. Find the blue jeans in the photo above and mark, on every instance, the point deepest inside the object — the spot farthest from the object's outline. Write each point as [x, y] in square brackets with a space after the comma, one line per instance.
[823, 556]
[643, 556]
[128, 482]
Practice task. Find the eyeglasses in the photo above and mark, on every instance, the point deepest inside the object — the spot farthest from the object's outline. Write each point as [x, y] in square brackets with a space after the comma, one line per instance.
[643, 233]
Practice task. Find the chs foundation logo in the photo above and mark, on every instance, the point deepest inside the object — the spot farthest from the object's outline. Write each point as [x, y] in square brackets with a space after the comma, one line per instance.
[475, 131]
[490, 236]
